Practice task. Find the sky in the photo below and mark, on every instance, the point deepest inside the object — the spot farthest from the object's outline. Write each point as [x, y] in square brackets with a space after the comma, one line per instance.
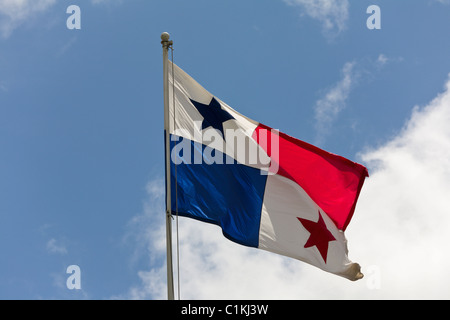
[82, 152]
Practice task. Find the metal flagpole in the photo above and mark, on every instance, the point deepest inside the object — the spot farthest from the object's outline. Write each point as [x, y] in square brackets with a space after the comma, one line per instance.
[166, 44]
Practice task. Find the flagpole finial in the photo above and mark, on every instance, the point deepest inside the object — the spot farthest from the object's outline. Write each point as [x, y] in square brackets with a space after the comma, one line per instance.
[165, 40]
[165, 36]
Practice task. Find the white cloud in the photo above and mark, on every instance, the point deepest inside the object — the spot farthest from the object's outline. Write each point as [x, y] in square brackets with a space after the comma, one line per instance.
[334, 101]
[13, 13]
[332, 14]
[405, 205]
[398, 233]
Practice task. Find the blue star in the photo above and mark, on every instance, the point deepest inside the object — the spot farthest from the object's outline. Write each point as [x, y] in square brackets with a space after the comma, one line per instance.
[213, 115]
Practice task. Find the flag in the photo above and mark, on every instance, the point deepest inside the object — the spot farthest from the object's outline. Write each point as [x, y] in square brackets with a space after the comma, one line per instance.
[264, 188]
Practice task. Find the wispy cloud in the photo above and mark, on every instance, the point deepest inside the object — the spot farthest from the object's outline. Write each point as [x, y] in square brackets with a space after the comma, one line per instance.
[66, 46]
[334, 101]
[54, 246]
[332, 14]
[384, 60]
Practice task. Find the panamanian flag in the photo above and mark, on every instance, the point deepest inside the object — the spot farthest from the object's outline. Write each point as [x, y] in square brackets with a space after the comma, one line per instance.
[264, 188]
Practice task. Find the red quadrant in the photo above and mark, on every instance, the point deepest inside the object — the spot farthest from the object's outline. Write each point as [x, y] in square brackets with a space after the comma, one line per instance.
[332, 182]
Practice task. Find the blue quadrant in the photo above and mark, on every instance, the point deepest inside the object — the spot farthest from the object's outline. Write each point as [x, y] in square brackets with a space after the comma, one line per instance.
[228, 195]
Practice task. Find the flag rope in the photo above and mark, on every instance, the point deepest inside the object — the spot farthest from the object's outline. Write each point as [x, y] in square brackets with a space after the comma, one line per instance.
[176, 178]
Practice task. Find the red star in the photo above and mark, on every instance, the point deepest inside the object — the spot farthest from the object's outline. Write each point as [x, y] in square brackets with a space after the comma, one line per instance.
[320, 235]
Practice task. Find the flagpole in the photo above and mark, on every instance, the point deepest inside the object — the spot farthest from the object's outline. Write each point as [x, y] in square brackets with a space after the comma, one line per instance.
[165, 45]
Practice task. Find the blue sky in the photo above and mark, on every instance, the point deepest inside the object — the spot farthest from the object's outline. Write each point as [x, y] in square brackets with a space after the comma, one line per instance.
[81, 140]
